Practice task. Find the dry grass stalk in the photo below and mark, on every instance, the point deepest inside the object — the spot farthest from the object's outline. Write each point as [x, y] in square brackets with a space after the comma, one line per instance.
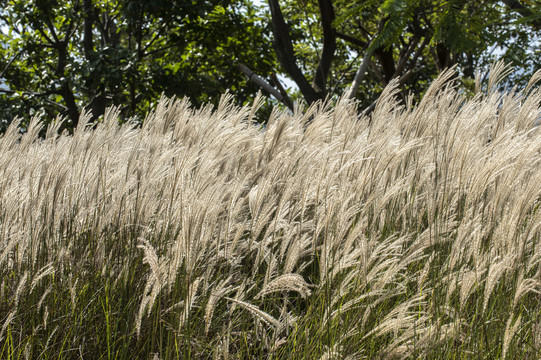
[392, 219]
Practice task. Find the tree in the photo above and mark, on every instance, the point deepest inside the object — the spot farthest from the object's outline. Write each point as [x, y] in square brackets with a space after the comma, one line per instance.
[60, 57]
[329, 47]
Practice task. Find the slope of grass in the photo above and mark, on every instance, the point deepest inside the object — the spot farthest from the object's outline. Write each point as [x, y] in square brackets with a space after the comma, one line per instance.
[414, 233]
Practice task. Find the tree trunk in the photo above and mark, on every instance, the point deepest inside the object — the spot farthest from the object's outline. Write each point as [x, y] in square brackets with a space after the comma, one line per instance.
[329, 47]
[88, 46]
[285, 54]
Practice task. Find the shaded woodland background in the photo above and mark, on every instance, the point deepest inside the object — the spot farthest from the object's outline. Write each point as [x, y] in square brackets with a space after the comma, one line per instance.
[63, 57]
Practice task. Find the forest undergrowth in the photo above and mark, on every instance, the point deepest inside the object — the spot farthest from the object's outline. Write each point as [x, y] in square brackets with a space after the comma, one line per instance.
[413, 232]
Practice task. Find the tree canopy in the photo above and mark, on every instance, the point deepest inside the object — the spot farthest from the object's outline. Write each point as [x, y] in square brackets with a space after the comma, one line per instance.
[60, 57]
[329, 47]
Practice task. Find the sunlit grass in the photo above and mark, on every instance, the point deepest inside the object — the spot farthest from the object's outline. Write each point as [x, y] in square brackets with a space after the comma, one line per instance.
[410, 234]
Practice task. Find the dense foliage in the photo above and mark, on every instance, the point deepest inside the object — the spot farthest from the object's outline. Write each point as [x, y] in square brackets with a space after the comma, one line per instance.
[60, 57]
[65, 56]
[334, 41]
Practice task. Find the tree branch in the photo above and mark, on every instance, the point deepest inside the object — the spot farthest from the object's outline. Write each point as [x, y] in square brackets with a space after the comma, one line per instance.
[368, 110]
[31, 93]
[264, 85]
[352, 40]
[378, 73]
[346, 71]
[439, 66]
[403, 60]
[419, 51]
[50, 25]
[360, 74]
[72, 109]
[287, 101]
[406, 76]
[11, 61]
[44, 34]
[154, 38]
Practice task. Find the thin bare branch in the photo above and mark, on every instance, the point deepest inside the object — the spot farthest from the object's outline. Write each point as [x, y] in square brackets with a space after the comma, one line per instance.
[11, 61]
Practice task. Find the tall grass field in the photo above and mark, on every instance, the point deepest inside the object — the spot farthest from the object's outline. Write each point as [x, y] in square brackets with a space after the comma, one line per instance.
[411, 233]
